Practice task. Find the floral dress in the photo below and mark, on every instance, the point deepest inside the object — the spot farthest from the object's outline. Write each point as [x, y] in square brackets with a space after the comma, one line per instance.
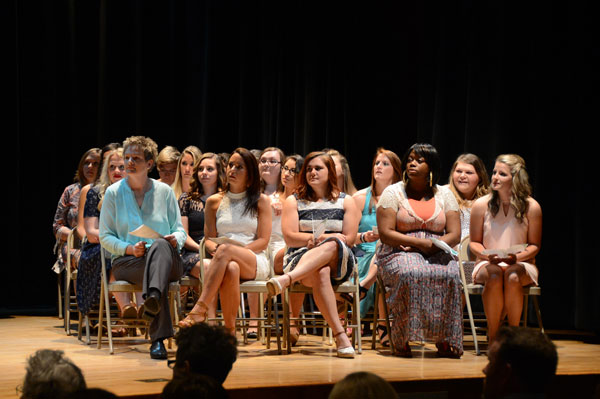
[425, 291]
[194, 211]
[66, 215]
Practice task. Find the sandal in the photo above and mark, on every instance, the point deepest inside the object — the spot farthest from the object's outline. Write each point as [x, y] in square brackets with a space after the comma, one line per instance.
[189, 319]
[404, 351]
[447, 350]
[294, 337]
[384, 340]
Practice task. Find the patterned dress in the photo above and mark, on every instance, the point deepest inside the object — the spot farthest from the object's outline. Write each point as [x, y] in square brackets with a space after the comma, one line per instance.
[425, 292]
[89, 272]
[194, 211]
[66, 215]
[310, 215]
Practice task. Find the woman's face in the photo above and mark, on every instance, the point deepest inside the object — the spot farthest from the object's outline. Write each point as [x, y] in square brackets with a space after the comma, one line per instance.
[90, 167]
[270, 167]
[417, 167]
[167, 172]
[207, 172]
[289, 175]
[237, 173]
[383, 169]
[465, 179]
[317, 174]
[116, 168]
[186, 166]
[501, 178]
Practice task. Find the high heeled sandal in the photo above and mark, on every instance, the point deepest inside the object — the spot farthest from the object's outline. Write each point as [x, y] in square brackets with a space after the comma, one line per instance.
[346, 352]
[384, 334]
[274, 286]
[189, 319]
[404, 351]
[447, 350]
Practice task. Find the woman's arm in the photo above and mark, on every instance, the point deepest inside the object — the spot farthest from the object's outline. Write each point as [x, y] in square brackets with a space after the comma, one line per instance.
[81, 229]
[290, 225]
[91, 229]
[476, 228]
[534, 233]
[263, 229]
[351, 219]
[452, 235]
[59, 226]
[210, 222]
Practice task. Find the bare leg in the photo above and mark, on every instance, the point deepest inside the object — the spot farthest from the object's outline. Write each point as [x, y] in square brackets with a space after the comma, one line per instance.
[215, 274]
[230, 295]
[514, 279]
[312, 261]
[123, 298]
[296, 301]
[493, 296]
[371, 276]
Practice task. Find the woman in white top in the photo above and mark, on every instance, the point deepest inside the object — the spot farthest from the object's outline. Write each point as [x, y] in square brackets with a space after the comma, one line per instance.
[240, 213]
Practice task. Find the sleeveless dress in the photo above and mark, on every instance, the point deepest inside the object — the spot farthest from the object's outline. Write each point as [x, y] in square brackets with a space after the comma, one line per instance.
[365, 251]
[194, 211]
[310, 214]
[503, 232]
[89, 271]
[425, 292]
[233, 223]
[276, 242]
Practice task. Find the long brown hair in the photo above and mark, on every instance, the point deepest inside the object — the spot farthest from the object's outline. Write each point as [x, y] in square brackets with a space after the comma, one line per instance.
[521, 189]
[483, 185]
[396, 165]
[305, 191]
[252, 180]
[79, 176]
[196, 189]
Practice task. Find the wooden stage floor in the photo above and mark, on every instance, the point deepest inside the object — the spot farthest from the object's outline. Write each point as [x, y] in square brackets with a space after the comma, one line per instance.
[311, 369]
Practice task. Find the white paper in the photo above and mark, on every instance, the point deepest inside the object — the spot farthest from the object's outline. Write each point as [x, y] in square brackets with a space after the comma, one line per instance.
[504, 252]
[225, 240]
[145, 232]
[319, 229]
[375, 230]
[443, 246]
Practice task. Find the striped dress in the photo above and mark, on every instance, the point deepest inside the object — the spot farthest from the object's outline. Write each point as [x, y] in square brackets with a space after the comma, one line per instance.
[313, 214]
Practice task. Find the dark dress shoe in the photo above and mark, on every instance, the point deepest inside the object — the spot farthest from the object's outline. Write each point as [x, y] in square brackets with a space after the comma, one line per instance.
[151, 307]
[158, 350]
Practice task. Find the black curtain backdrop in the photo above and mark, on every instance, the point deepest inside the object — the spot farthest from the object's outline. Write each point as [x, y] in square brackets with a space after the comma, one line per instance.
[487, 77]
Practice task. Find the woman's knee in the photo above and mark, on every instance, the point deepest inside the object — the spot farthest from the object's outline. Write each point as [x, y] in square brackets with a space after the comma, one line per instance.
[223, 251]
[512, 279]
[232, 273]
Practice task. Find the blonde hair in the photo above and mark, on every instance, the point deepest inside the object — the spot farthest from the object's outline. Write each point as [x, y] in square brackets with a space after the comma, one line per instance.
[195, 154]
[167, 155]
[483, 186]
[521, 189]
[104, 180]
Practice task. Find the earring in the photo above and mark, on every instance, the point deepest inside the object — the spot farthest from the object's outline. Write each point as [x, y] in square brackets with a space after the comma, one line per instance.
[404, 178]
[430, 179]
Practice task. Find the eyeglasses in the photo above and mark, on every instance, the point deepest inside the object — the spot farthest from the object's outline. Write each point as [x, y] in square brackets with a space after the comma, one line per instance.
[167, 172]
[289, 170]
[271, 162]
[112, 168]
[171, 363]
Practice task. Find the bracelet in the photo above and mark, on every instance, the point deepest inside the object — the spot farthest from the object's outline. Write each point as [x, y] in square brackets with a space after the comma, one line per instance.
[362, 237]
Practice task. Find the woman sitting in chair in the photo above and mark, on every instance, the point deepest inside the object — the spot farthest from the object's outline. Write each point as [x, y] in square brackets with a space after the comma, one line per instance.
[152, 262]
[423, 281]
[468, 181]
[65, 218]
[326, 260]
[88, 279]
[185, 169]
[240, 213]
[500, 220]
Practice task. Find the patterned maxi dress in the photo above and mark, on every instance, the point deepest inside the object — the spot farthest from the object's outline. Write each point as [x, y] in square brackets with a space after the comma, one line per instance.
[425, 292]
[312, 213]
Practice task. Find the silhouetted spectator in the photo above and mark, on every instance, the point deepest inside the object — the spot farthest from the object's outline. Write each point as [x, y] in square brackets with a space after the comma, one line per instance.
[361, 385]
[51, 375]
[194, 387]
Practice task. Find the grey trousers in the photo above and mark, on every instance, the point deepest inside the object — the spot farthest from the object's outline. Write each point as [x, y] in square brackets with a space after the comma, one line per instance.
[156, 269]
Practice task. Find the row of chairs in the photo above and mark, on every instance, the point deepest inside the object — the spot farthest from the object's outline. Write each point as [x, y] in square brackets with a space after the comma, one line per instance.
[270, 322]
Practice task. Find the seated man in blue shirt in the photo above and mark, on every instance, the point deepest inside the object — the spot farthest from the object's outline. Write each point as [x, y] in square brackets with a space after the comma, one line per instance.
[134, 201]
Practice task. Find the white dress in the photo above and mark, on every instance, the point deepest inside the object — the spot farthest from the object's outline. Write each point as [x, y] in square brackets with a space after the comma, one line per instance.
[233, 223]
[276, 242]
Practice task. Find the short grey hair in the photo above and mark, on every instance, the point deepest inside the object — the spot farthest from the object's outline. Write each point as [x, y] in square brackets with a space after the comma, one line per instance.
[50, 375]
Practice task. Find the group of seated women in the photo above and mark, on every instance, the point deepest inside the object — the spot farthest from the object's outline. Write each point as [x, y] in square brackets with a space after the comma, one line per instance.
[265, 216]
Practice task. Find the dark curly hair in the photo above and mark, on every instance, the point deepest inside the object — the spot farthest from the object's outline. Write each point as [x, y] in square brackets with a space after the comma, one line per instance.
[209, 350]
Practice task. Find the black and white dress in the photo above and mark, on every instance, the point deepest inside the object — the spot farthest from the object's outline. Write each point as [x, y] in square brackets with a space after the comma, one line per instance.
[312, 214]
